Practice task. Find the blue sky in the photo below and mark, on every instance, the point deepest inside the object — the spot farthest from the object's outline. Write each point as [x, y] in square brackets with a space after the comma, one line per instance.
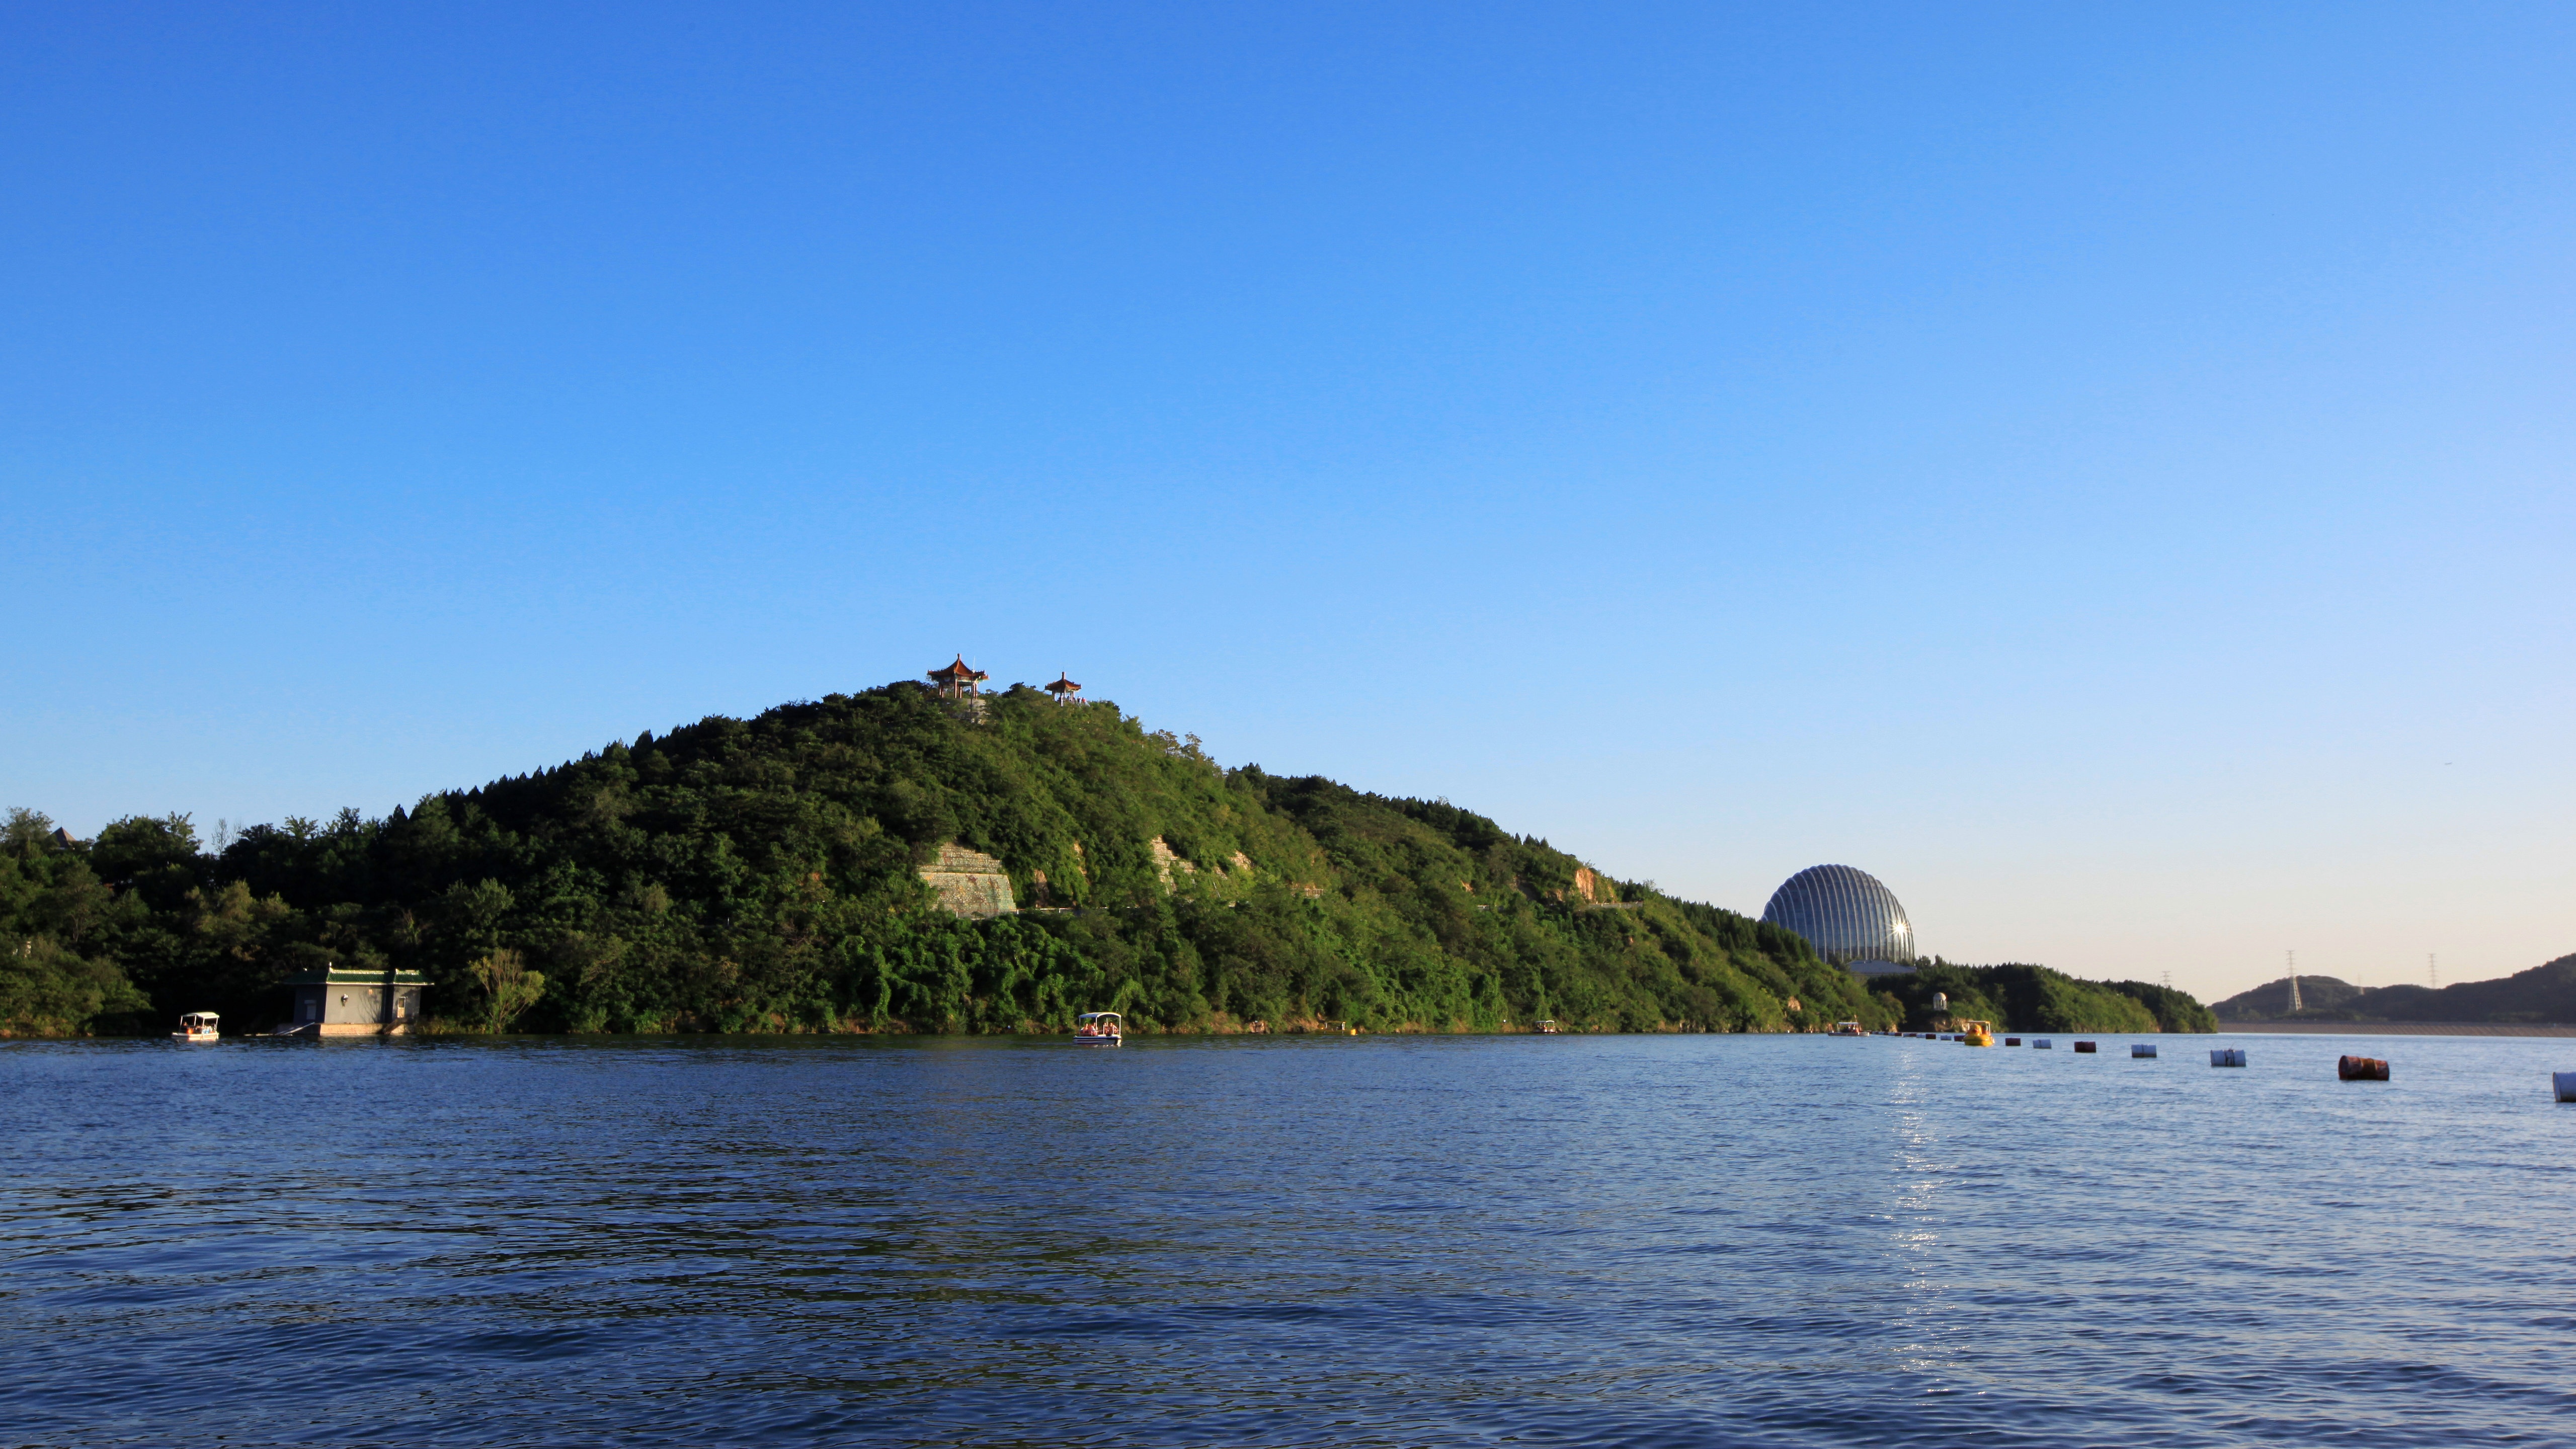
[2105, 470]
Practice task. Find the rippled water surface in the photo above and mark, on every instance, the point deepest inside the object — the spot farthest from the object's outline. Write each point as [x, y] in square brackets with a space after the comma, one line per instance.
[1671, 1240]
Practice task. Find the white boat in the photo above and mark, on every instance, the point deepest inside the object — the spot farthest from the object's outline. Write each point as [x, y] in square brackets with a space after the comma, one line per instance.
[198, 1026]
[1099, 1028]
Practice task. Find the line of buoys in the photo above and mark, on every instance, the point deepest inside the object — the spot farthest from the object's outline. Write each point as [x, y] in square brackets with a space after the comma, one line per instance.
[2562, 1085]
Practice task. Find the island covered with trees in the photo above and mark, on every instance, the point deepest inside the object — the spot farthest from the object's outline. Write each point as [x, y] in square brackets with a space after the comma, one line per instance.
[765, 875]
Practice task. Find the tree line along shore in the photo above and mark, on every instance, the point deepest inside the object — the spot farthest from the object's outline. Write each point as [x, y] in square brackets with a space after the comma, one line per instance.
[768, 875]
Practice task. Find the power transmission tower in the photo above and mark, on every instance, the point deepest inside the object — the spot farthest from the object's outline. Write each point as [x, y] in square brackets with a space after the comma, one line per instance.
[2294, 983]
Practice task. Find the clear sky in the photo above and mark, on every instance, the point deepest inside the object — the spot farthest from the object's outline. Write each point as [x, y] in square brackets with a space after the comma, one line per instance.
[2103, 469]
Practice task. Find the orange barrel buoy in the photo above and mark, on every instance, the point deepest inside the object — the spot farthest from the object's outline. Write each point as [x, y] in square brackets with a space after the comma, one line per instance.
[2085, 1046]
[2141, 1049]
[2227, 1057]
[2565, 1082]
[2361, 1069]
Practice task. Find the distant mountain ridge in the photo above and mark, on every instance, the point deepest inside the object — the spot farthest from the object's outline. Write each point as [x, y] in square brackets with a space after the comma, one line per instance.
[2545, 993]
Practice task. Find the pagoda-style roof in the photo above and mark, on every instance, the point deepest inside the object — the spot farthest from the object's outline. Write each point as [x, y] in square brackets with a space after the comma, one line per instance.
[1063, 684]
[957, 672]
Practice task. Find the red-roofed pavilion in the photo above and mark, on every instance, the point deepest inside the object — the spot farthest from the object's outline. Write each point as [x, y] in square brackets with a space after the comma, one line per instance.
[956, 680]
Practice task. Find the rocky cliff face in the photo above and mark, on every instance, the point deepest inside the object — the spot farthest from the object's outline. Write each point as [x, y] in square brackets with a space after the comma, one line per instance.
[969, 882]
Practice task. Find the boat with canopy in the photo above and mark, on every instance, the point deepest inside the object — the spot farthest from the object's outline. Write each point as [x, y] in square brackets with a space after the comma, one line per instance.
[1099, 1028]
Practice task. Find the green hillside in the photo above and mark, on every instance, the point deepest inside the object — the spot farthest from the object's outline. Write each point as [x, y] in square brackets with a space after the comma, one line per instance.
[2034, 998]
[2545, 993]
[763, 875]
[760, 875]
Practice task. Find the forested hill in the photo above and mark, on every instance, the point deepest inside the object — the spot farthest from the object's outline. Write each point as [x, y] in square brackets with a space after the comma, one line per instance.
[762, 875]
[2545, 993]
[2033, 998]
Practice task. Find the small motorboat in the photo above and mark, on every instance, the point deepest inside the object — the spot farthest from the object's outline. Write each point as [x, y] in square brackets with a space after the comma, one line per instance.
[198, 1026]
[1976, 1033]
[1548, 1027]
[1847, 1028]
[1099, 1028]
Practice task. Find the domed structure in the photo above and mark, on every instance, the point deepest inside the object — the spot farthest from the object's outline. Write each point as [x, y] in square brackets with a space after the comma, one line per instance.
[1845, 914]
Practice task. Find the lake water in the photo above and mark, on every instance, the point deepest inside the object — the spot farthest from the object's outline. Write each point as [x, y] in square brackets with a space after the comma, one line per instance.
[1595, 1240]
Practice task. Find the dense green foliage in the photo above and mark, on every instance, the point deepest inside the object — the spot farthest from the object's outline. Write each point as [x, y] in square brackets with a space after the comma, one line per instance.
[2034, 998]
[55, 977]
[2545, 993]
[760, 875]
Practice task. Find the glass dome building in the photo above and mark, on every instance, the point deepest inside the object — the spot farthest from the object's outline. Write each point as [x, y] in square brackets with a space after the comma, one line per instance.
[1845, 914]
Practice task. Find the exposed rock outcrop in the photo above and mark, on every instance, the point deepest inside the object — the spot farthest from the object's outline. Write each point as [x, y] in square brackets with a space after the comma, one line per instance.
[969, 882]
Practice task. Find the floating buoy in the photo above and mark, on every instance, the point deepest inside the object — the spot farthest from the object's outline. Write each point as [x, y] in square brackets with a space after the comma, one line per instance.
[2141, 1049]
[2227, 1057]
[2012, 1041]
[2085, 1046]
[2043, 1044]
[2361, 1069]
[2565, 1082]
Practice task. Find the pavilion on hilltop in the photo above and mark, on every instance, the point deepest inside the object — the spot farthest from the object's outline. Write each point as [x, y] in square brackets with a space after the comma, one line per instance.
[1065, 690]
[957, 680]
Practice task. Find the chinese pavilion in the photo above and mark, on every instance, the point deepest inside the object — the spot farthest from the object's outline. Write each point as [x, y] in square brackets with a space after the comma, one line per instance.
[1064, 689]
[956, 680]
